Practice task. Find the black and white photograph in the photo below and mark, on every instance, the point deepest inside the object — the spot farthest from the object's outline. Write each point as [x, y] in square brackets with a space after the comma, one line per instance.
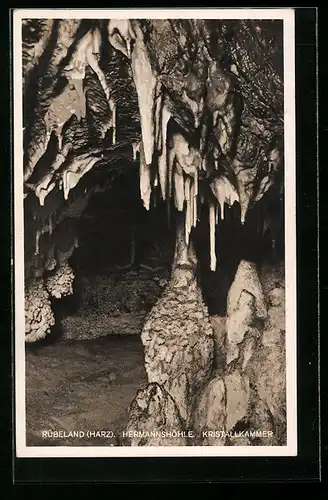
[155, 255]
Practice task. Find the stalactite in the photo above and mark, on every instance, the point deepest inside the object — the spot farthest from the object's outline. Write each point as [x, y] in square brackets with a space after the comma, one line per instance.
[121, 35]
[212, 237]
[187, 188]
[65, 185]
[37, 242]
[145, 179]
[112, 106]
[158, 116]
[79, 166]
[224, 192]
[135, 149]
[196, 182]
[162, 160]
[193, 195]
[145, 82]
[179, 191]
[187, 222]
[92, 57]
[171, 162]
[44, 188]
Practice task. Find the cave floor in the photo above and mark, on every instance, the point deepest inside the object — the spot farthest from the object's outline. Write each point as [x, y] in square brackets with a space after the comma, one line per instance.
[82, 385]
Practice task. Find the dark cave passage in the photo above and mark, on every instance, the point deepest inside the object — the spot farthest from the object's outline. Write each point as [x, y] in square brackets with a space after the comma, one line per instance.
[125, 253]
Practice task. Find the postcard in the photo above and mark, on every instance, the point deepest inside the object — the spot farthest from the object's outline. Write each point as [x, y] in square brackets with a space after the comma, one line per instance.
[155, 232]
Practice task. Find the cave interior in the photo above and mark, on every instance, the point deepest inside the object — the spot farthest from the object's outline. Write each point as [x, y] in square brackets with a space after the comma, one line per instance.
[125, 146]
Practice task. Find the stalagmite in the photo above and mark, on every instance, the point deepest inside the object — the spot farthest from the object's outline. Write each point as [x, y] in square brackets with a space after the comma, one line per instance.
[145, 82]
[212, 237]
[181, 147]
[87, 52]
[245, 183]
[42, 129]
[162, 160]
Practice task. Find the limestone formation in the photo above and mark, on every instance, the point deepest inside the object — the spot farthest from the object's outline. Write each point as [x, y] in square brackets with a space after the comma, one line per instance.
[245, 305]
[249, 391]
[61, 282]
[196, 107]
[210, 414]
[154, 419]
[178, 336]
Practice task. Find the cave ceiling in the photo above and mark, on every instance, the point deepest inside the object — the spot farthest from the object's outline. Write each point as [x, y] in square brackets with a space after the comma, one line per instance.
[196, 106]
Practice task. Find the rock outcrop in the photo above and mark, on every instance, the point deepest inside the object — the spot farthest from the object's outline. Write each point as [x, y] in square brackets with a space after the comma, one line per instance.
[246, 400]
[178, 335]
[154, 419]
